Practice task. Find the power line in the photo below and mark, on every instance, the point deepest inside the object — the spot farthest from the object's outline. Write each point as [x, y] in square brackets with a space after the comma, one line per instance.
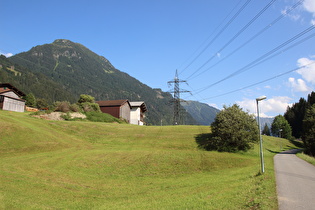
[262, 58]
[263, 81]
[253, 37]
[235, 36]
[217, 28]
[220, 32]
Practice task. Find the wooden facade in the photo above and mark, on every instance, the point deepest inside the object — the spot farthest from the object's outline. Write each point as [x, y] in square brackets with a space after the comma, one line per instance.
[117, 108]
[10, 98]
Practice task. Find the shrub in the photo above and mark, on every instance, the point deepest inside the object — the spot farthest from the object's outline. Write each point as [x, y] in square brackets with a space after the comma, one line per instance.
[30, 100]
[101, 117]
[86, 98]
[87, 103]
[62, 106]
[42, 103]
[90, 107]
[75, 108]
[233, 130]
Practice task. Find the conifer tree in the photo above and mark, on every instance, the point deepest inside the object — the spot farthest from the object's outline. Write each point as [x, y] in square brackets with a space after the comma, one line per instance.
[308, 136]
[266, 130]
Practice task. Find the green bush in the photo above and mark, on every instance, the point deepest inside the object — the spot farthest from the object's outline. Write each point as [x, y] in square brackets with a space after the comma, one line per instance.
[62, 106]
[66, 116]
[75, 108]
[90, 107]
[95, 116]
[86, 98]
[233, 130]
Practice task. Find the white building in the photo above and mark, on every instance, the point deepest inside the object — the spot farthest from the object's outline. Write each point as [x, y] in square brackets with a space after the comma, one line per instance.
[138, 108]
[10, 98]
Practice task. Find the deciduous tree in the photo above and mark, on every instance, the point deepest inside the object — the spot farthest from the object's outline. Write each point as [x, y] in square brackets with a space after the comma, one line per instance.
[280, 124]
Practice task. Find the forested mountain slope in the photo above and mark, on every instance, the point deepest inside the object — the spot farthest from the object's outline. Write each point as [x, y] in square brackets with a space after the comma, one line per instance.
[64, 67]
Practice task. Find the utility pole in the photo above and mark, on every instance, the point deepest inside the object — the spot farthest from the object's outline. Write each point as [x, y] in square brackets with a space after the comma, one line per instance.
[176, 97]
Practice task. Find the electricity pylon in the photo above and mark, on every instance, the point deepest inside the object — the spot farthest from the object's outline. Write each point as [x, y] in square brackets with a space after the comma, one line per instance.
[176, 100]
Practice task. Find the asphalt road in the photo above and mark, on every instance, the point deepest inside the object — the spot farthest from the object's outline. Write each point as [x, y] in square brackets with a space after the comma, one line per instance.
[295, 181]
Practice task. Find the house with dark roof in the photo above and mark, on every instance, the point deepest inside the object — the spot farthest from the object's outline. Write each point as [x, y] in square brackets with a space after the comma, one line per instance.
[117, 108]
[138, 108]
[11, 98]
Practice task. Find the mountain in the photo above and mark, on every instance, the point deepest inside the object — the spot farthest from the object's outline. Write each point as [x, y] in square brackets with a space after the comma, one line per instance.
[63, 70]
[201, 112]
[32, 82]
[265, 120]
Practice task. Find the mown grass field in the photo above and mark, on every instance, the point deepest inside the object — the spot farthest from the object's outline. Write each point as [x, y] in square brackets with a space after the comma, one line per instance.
[85, 165]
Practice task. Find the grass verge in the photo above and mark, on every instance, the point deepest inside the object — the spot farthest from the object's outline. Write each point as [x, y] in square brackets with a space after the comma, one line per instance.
[306, 157]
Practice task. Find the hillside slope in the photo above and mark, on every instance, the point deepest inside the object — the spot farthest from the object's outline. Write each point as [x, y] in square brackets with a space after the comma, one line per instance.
[32, 82]
[78, 70]
[71, 165]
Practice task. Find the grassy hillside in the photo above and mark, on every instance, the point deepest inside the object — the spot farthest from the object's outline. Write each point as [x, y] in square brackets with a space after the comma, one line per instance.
[84, 165]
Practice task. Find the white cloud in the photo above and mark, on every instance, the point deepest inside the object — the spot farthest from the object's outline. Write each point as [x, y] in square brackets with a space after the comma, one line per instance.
[273, 106]
[6, 54]
[213, 105]
[309, 6]
[291, 14]
[308, 72]
[299, 85]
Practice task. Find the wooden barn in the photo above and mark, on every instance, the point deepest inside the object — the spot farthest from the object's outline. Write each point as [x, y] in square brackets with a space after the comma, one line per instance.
[138, 108]
[11, 98]
[117, 108]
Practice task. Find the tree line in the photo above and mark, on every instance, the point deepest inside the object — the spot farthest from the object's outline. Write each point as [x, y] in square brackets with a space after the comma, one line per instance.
[298, 122]
[301, 117]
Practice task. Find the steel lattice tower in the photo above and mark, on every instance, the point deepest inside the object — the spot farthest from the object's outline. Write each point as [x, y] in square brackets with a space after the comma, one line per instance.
[176, 100]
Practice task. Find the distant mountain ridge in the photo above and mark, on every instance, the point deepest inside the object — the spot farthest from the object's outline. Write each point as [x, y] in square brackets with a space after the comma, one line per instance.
[63, 70]
[201, 112]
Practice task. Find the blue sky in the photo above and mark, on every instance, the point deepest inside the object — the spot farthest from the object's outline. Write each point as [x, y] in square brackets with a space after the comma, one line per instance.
[206, 41]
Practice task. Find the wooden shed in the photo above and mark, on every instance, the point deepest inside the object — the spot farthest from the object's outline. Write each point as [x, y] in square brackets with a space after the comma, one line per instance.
[138, 108]
[117, 108]
[11, 98]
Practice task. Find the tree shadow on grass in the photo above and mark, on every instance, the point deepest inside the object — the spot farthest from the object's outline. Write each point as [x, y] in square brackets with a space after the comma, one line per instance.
[202, 140]
[297, 143]
[272, 151]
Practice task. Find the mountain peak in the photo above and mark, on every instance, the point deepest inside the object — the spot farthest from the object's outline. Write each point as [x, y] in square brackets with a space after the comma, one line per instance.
[63, 42]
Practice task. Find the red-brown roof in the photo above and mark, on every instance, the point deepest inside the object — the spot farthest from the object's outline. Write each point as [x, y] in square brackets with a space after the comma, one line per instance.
[113, 102]
[5, 87]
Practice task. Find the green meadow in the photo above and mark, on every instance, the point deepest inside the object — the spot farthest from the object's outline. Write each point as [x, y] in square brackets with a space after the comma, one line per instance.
[88, 165]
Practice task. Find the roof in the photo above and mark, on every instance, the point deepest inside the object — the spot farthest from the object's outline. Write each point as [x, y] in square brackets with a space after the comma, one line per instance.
[113, 102]
[5, 87]
[140, 104]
